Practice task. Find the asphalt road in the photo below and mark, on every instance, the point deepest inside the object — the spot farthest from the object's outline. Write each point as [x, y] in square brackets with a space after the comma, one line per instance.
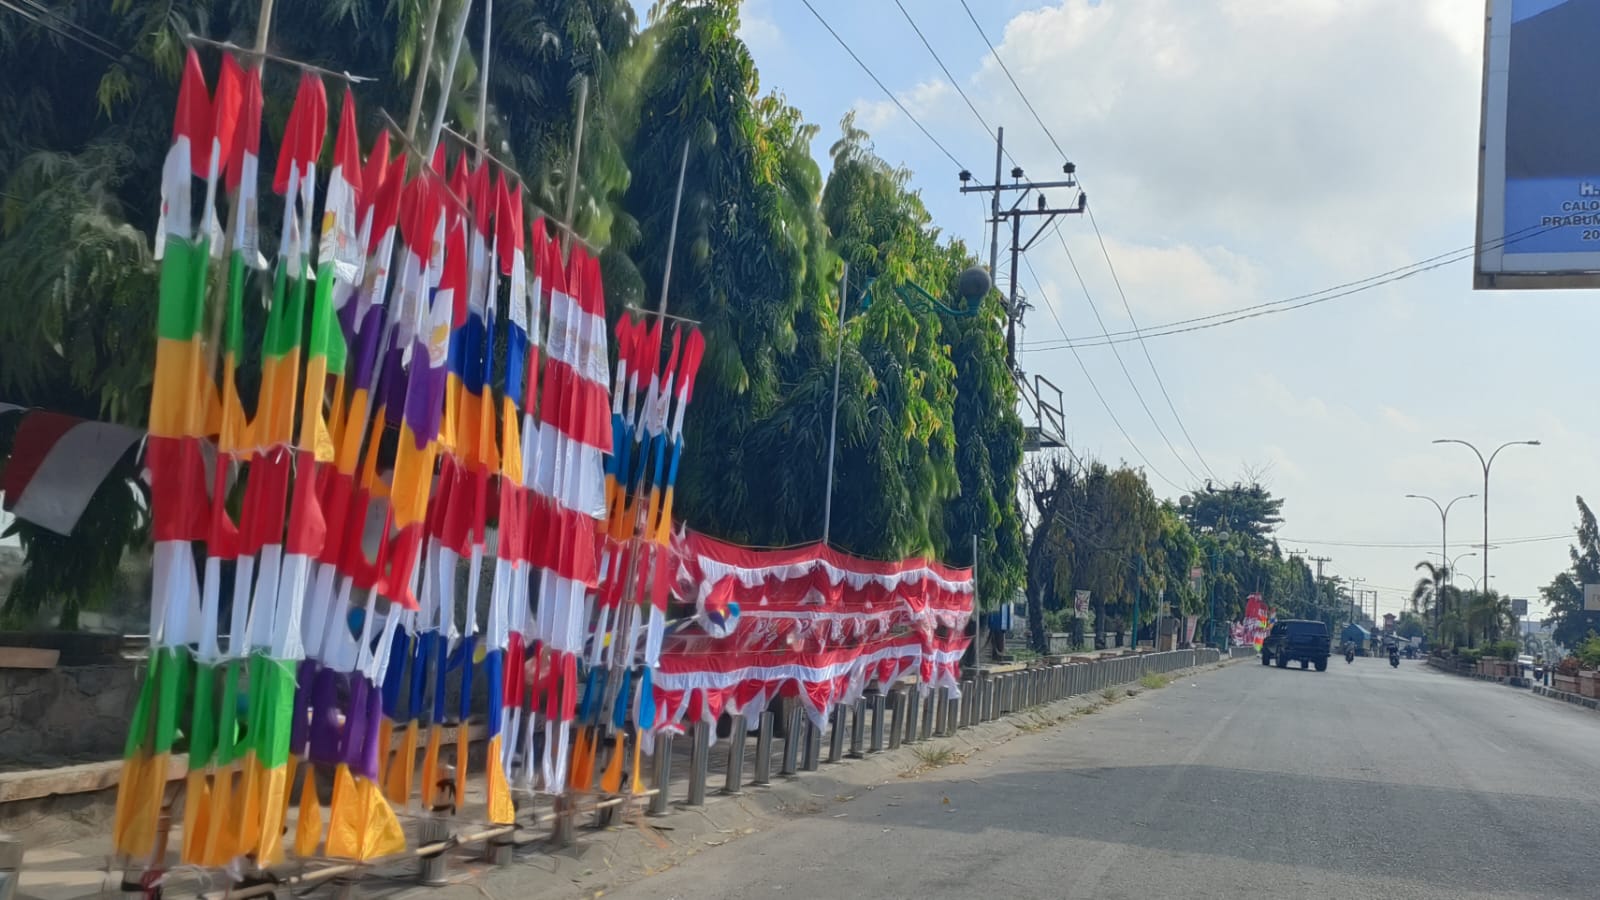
[1364, 781]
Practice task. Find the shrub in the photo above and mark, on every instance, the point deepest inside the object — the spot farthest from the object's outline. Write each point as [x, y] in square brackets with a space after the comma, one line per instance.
[1569, 666]
[1469, 655]
[1589, 652]
[1506, 650]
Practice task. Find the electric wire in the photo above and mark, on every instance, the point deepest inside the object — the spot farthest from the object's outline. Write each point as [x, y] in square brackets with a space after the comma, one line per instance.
[1096, 388]
[952, 79]
[1299, 301]
[1025, 101]
[1161, 383]
[1120, 363]
[875, 80]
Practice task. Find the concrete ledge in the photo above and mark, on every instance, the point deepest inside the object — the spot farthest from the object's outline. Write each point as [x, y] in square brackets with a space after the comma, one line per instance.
[89, 778]
[86, 778]
[1574, 699]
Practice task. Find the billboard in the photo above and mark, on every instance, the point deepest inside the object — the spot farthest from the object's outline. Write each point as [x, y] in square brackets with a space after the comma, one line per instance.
[1538, 169]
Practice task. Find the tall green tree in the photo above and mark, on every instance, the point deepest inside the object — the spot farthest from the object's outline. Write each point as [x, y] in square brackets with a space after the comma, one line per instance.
[740, 268]
[1568, 620]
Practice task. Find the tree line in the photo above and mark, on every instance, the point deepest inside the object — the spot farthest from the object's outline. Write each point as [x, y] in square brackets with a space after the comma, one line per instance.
[930, 443]
[1102, 530]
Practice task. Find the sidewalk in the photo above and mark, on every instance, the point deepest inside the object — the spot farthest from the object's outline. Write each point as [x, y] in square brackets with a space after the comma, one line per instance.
[80, 865]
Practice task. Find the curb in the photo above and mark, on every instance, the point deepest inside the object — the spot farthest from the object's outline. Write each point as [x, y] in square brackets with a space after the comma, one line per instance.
[1574, 699]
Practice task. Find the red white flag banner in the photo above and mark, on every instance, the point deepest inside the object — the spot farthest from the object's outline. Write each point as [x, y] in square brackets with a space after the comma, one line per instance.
[57, 462]
[807, 622]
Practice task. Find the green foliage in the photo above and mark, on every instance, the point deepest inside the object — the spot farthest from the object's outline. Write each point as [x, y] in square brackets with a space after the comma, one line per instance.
[1103, 531]
[1506, 650]
[1588, 652]
[1249, 511]
[1410, 625]
[1564, 595]
[929, 441]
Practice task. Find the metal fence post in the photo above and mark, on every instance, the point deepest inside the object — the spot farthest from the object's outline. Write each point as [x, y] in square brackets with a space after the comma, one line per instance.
[909, 731]
[432, 830]
[928, 716]
[941, 711]
[812, 746]
[763, 774]
[792, 738]
[662, 761]
[880, 704]
[836, 734]
[897, 725]
[858, 727]
[699, 763]
[733, 780]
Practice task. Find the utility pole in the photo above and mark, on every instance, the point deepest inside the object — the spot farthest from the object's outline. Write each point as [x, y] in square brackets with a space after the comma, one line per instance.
[1015, 214]
[1319, 560]
[1355, 601]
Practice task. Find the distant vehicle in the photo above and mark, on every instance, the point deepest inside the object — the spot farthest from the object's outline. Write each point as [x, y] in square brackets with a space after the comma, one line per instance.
[1298, 640]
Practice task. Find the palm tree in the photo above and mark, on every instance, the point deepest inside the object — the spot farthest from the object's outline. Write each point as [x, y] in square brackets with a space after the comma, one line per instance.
[1487, 614]
[1434, 592]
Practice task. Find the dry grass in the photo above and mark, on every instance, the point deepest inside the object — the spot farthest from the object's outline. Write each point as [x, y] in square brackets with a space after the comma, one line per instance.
[1155, 680]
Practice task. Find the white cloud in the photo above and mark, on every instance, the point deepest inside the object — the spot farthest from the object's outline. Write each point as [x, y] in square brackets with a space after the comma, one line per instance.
[1177, 279]
[1258, 119]
[757, 29]
[1400, 420]
[872, 115]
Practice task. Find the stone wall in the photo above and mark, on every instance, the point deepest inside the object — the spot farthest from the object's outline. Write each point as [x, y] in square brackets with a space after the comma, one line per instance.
[64, 715]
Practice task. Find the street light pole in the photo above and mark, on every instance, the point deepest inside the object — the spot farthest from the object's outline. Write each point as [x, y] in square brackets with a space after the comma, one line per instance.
[1444, 548]
[1486, 464]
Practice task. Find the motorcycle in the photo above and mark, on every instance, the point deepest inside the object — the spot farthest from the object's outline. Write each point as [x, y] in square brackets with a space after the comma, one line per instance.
[1349, 653]
[1394, 657]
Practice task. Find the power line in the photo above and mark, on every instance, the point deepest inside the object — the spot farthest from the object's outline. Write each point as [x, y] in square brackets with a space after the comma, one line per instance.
[1214, 320]
[1120, 363]
[1114, 420]
[1512, 238]
[1407, 545]
[875, 80]
[1025, 101]
[946, 70]
[1142, 346]
[51, 22]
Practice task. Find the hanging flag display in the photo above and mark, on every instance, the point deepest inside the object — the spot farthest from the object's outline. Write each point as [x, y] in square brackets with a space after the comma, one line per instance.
[441, 508]
[808, 622]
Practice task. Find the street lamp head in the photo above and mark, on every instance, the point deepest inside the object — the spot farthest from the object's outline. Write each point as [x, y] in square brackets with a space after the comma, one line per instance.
[1534, 443]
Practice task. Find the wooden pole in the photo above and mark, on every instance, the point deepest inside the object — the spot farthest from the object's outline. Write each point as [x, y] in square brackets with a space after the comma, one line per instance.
[572, 169]
[423, 65]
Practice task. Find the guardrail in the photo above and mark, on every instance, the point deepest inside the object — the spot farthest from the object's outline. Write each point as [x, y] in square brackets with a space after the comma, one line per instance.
[879, 721]
[884, 720]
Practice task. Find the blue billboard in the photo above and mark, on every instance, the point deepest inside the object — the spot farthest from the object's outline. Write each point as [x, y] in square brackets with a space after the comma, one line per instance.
[1539, 165]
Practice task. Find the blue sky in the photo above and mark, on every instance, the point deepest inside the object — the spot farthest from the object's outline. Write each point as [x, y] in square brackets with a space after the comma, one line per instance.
[1237, 152]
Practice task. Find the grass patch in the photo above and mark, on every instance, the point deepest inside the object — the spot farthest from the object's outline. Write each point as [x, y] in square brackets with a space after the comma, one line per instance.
[1109, 694]
[933, 757]
[1155, 680]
